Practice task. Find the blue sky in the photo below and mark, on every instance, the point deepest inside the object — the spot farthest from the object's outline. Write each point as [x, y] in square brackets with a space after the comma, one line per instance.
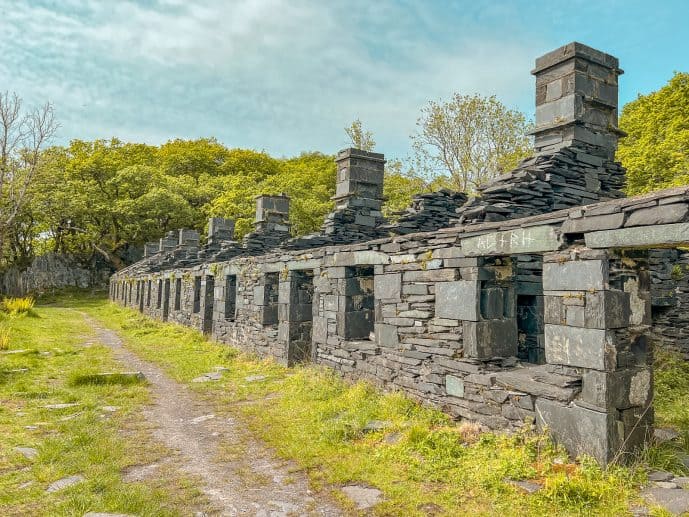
[288, 75]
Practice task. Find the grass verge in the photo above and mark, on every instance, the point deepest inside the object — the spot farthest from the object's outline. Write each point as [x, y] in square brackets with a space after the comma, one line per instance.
[424, 463]
[50, 358]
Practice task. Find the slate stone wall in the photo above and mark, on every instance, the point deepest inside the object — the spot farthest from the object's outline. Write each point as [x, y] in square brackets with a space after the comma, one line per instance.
[517, 312]
[440, 316]
[670, 299]
[52, 271]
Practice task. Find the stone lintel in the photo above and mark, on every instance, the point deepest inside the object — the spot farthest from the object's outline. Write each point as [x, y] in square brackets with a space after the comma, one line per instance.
[534, 239]
[640, 236]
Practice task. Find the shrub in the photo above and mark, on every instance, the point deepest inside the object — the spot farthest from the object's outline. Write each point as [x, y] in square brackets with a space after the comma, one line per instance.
[16, 306]
[4, 338]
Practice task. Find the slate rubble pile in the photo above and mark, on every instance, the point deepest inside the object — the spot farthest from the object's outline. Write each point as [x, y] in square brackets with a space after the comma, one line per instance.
[428, 212]
[570, 177]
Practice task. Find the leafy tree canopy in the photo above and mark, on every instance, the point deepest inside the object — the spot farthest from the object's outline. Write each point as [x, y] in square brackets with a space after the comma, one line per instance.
[656, 148]
[469, 139]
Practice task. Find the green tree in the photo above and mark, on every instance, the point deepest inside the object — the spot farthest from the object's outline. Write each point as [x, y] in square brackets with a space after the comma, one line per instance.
[23, 137]
[656, 148]
[102, 197]
[469, 138]
[309, 180]
[243, 173]
[360, 138]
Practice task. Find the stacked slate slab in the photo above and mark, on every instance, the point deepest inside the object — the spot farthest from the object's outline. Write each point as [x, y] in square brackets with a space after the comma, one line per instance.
[575, 140]
[358, 198]
[272, 226]
[569, 177]
[428, 212]
[220, 244]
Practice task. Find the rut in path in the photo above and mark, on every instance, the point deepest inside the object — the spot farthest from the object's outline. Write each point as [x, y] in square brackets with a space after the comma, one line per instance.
[177, 415]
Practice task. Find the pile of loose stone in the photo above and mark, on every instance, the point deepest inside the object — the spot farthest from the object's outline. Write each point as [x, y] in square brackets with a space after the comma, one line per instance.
[259, 241]
[428, 212]
[572, 176]
[354, 219]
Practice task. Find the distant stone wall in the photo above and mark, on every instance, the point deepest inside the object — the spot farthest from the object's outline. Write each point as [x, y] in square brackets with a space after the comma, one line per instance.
[670, 299]
[51, 271]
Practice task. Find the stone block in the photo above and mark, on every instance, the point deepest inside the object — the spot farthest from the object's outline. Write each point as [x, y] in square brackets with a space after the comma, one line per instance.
[451, 253]
[576, 275]
[388, 287]
[331, 302]
[283, 312]
[386, 335]
[658, 235]
[523, 240]
[360, 258]
[554, 310]
[620, 389]
[607, 309]
[285, 292]
[665, 214]
[580, 347]
[593, 223]
[415, 289]
[492, 303]
[575, 316]
[457, 300]
[580, 430]
[283, 332]
[259, 295]
[553, 90]
[435, 275]
[454, 386]
[319, 330]
[487, 339]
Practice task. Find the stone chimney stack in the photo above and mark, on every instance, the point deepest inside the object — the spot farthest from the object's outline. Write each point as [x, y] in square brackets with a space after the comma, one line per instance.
[169, 242]
[576, 100]
[360, 175]
[272, 213]
[271, 226]
[188, 239]
[358, 196]
[151, 248]
[219, 230]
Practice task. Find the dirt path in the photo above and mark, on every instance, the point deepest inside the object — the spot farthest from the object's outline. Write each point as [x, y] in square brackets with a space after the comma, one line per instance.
[254, 482]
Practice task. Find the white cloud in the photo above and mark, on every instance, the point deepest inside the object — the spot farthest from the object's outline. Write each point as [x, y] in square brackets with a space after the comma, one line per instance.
[275, 74]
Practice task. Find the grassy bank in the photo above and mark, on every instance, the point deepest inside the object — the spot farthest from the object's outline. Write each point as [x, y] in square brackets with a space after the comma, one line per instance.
[340, 432]
[424, 463]
[47, 358]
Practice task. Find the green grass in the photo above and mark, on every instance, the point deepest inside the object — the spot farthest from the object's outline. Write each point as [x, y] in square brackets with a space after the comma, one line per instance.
[671, 403]
[422, 462]
[17, 306]
[53, 368]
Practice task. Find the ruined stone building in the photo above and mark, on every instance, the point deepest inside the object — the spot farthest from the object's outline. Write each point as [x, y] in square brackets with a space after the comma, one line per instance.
[534, 301]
